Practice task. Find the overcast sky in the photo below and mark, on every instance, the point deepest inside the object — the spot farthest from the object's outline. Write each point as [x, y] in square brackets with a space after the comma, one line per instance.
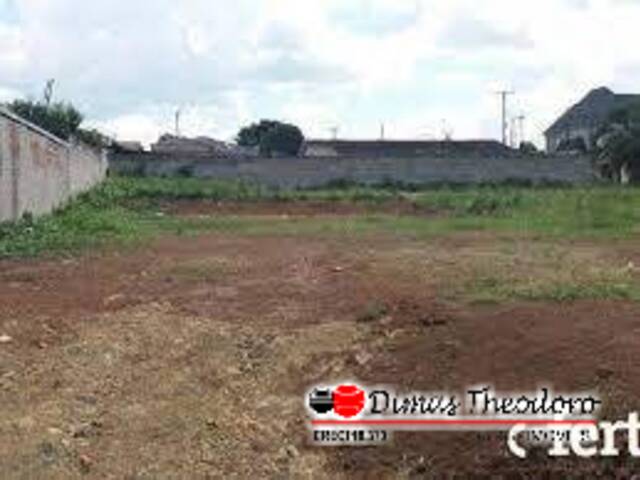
[419, 66]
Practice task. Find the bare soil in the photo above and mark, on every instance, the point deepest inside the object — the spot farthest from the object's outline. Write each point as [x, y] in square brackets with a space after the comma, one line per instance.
[190, 358]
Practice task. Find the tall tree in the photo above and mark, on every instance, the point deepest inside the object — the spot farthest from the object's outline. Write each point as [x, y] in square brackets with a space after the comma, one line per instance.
[272, 137]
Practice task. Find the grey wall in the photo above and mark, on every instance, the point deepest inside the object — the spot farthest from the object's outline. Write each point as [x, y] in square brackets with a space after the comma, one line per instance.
[309, 172]
[38, 171]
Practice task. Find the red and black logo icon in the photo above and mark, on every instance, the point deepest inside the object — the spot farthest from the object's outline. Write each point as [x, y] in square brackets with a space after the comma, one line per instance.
[346, 400]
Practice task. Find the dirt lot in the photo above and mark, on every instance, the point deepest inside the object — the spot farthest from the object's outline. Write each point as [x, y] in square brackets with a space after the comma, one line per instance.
[190, 357]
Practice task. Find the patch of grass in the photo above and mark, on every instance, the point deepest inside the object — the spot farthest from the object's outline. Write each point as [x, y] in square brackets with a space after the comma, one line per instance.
[551, 211]
[495, 291]
[76, 227]
[206, 270]
[124, 189]
[121, 189]
[500, 270]
[481, 201]
[125, 210]
[605, 285]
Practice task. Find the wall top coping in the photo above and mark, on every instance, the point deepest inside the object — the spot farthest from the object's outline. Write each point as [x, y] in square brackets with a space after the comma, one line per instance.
[208, 158]
[16, 118]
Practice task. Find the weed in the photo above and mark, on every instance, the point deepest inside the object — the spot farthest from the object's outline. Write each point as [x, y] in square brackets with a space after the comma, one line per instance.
[373, 312]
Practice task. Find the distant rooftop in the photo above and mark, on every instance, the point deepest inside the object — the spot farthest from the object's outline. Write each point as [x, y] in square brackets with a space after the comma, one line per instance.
[409, 148]
[593, 109]
[171, 144]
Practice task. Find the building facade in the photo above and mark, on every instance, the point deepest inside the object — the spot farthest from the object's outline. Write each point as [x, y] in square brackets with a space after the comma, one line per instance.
[577, 127]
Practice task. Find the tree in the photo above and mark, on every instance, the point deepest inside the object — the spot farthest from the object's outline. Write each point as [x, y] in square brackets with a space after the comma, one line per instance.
[272, 137]
[60, 119]
[620, 153]
[528, 148]
[252, 135]
[618, 144]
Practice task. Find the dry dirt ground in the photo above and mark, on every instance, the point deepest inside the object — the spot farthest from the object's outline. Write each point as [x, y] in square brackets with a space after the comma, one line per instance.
[190, 357]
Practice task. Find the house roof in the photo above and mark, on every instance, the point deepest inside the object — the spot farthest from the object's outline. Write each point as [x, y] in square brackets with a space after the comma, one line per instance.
[409, 147]
[172, 144]
[593, 109]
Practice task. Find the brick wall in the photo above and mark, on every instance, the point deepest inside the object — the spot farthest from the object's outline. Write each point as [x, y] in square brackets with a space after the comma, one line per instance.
[311, 172]
[38, 171]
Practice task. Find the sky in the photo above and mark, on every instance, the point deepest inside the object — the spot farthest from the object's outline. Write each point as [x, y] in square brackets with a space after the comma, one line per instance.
[423, 68]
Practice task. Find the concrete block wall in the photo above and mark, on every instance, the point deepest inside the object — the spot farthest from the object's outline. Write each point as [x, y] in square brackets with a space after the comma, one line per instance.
[314, 172]
[87, 167]
[38, 171]
[7, 174]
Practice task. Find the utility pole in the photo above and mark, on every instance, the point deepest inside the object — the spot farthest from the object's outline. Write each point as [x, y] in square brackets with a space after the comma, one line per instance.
[503, 95]
[447, 131]
[48, 91]
[521, 118]
[382, 131]
[513, 139]
[177, 126]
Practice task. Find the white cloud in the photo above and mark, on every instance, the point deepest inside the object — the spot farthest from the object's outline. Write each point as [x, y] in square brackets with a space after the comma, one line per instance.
[143, 128]
[131, 64]
[8, 94]
[13, 58]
